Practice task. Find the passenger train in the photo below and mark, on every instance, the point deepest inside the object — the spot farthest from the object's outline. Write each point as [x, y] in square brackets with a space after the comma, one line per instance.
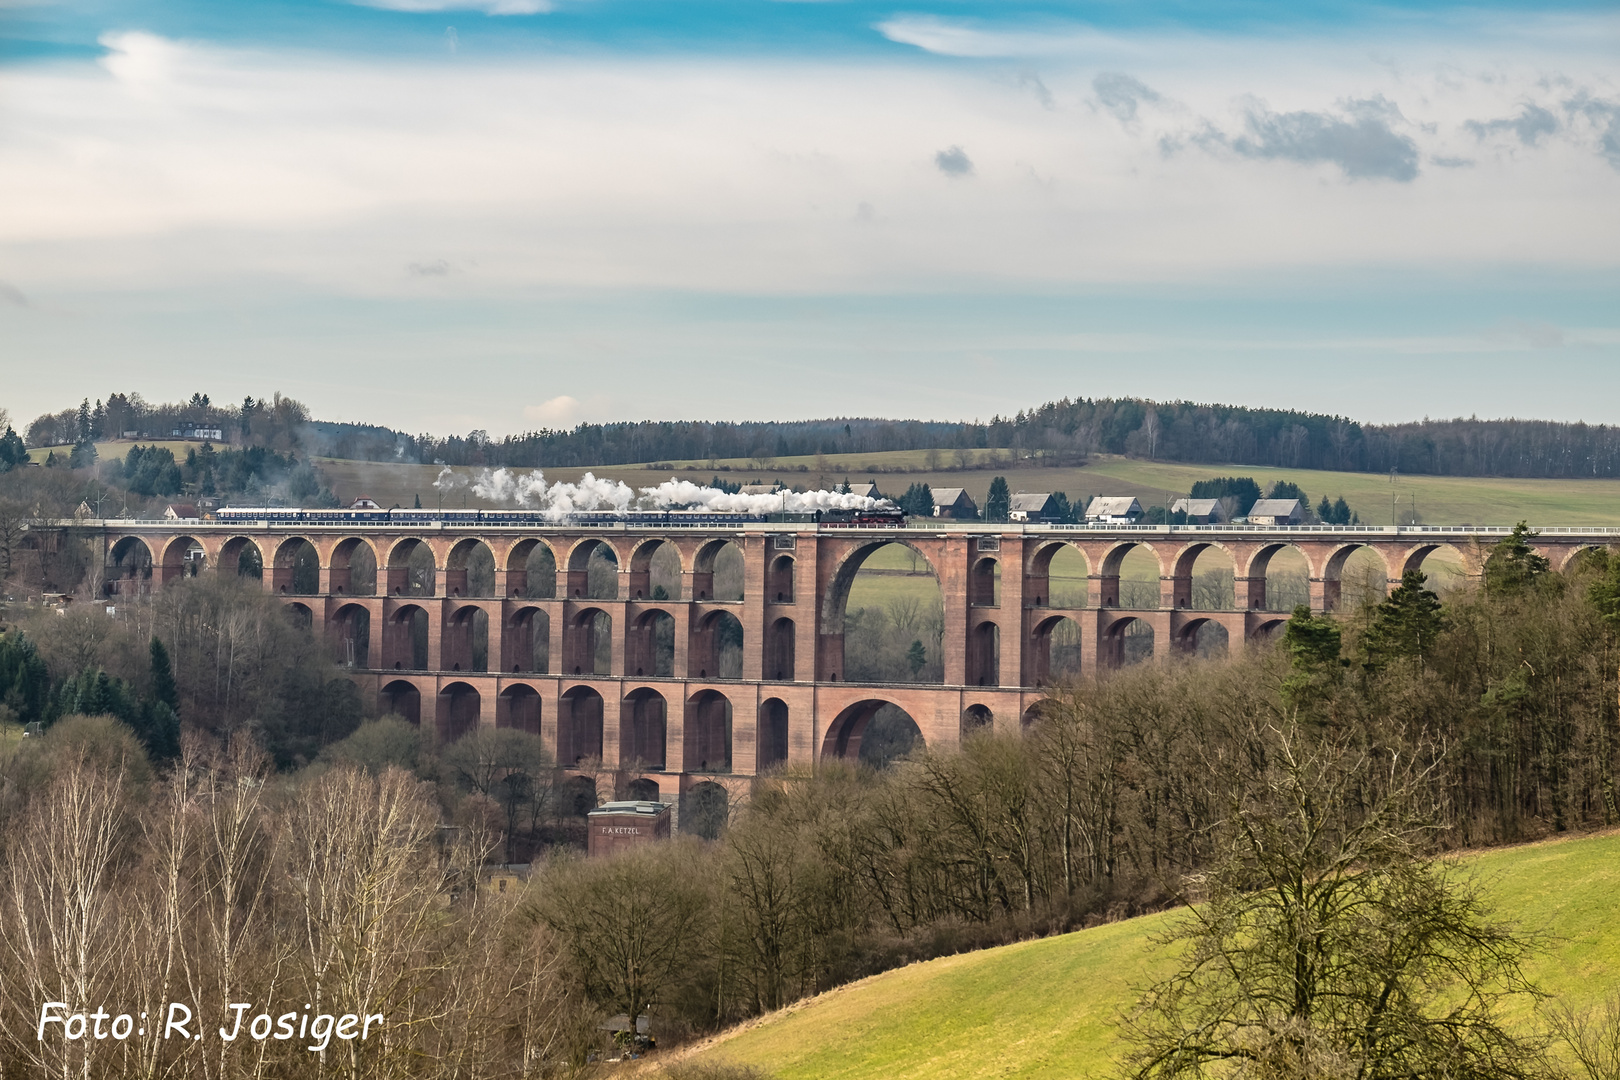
[884, 517]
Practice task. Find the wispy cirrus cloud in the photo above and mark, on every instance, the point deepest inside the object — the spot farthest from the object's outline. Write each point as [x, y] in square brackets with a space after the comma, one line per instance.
[957, 37]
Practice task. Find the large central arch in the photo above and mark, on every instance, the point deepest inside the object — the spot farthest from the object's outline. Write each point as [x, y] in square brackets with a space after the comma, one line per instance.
[831, 661]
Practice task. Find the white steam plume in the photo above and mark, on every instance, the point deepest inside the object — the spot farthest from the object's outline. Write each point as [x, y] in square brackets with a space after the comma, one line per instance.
[556, 501]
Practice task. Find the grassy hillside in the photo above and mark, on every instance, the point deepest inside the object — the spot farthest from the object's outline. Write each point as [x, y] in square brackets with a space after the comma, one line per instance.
[1048, 1008]
[115, 449]
[1439, 500]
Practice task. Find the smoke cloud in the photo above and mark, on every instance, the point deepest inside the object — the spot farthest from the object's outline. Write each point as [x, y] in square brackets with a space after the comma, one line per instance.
[556, 501]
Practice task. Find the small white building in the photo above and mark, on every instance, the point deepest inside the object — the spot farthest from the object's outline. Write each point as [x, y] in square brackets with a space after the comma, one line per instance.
[1200, 511]
[364, 503]
[1276, 512]
[180, 512]
[869, 491]
[1113, 510]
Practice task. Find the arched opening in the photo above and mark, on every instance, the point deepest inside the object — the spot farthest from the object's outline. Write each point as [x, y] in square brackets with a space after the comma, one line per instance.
[411, 569]
[1057, 577]
[354, 568]
[643, 789]
[717, 573]
[984, 584]
[459, 706]
[708, 732]
[1279, 579]
[977, 718]
[406, 644]
[242, 557]
[466, 640]
[780, 637]
[716, 648]
[1441, 564]
[297, 568]
[1204, 639]
[129, 567]
[984, 655]
[402, 699]
[1057, 651]
[651, 649]
[1127, 642]
[655, 571]
[1353, 576]
[779, 580]
[527, 641]
[184, 557]
[1268, 633]
[300, 616]
[1130, 577]
[589, 643]
[883, 618]
[470, 570]
[873, 732]
[518, 707]
[579, 727]
[593, 571]
[1205, 578]
[773, 734]
[351, 625]
[643, 727]
[576, 796]
[705, 810]
[531, 570]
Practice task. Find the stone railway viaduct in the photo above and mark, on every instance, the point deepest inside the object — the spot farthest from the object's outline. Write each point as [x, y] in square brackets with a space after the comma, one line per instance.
[661, 734]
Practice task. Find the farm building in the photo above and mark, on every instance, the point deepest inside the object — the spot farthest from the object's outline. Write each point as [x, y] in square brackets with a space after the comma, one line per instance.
[1114, 510]
[1200, 511]
[954, 503]
[1276, 512]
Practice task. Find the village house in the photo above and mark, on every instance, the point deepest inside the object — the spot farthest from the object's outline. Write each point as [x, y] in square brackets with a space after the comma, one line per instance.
[1032, 506]
[954, 503]
[1200, 511]
[1276, 512]
[1113, 510]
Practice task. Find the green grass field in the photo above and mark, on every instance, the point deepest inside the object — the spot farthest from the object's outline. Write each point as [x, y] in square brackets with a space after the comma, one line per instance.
[1049, 1008]
[1438, 500]
[115, 449]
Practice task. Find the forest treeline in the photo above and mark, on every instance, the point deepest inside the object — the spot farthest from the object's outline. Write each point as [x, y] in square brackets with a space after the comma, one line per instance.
[1058, 432]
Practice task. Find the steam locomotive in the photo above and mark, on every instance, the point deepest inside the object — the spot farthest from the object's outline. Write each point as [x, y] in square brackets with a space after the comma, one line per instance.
[879, 518]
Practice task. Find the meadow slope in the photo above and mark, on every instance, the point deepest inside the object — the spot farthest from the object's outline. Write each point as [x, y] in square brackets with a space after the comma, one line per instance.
[1049, 1008]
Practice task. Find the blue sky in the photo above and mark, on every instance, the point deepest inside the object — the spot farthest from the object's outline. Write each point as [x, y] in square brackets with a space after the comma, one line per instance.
[447, 214]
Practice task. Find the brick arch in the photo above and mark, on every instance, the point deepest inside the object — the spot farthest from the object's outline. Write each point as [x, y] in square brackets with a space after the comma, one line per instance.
[129, 567]
[703, 650]
[1039, 648]
[455, 565]
[579, 561]
[519, 706]
[459, 625]
[843, 736]
[579, 725]
[341, 558]
[1260, 558]
[1184, 558]
[644, 729]
[977, 717]
[709, 732]
[1038, 567]
[1574, 552]
[403, 697]
[779, 577]
[843, 579]
[1115, 554]
[579, 642]
[457, 710]
[174, 552]
[231, 552]
[514, 562]
[641, 557]
[774, 739]
[1333, 571]
[703, 561]
[1412, 557]
[1184, 639]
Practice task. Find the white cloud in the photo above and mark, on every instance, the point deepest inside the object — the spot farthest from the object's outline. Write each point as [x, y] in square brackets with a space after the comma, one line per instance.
[174, 163]
[488, 7]
[559, 412]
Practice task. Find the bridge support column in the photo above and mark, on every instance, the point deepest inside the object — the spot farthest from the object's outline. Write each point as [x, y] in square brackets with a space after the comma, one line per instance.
[612, 703]
[435, 635]
[1249, 593]
[495, 638]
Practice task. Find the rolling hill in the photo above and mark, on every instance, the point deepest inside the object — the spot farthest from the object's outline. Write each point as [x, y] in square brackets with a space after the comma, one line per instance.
[1049, 1008]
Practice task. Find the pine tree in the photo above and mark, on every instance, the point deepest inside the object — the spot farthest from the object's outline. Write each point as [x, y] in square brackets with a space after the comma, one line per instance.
[163, 686]
[1406, 625]
[998, 501]
[1513, 564]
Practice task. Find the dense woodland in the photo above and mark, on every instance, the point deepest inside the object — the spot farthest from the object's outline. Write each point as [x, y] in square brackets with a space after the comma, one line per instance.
[1059, 432]
[284, 848]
